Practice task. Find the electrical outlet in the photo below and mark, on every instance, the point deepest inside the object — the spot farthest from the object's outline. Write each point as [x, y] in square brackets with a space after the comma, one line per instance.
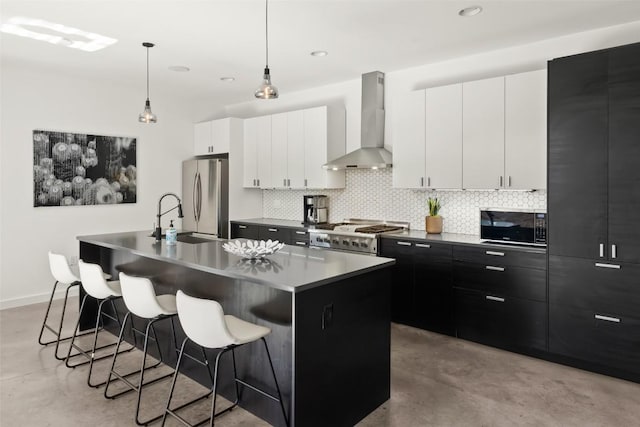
[73, 260]
[327, 316]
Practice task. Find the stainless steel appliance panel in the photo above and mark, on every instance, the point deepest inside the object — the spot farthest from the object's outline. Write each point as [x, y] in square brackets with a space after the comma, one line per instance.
[205, 195]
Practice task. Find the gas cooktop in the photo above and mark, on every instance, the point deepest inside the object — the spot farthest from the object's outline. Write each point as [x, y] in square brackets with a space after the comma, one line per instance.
[353, 235]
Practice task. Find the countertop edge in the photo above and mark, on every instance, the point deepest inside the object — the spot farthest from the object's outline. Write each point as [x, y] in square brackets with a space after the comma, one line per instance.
[453, 241]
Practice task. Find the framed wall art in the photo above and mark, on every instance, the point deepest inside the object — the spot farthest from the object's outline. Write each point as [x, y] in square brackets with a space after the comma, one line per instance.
[81, 169]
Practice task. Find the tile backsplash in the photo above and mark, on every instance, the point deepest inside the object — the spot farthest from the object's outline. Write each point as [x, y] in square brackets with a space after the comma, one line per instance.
[369, 195]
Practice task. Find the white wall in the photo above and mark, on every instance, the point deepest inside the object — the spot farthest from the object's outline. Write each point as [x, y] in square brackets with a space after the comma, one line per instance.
[32, 99]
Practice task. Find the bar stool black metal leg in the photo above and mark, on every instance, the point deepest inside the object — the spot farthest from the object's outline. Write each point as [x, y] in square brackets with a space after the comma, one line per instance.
[167, 409]
[215, 387]
[64, 310]
[46, 316]
[115, 354]
[235, 376]
[75, 333]
[275, 379]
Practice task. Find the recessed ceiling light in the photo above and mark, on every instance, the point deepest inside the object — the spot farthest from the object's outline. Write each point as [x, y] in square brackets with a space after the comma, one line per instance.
[179, 68]
[470, 11]
[228, 79]
[24, 27]
[319, 53]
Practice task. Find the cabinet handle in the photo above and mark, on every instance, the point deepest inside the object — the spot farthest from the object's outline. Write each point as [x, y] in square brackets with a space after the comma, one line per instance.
[421, 181]
[242, 226]
[614, 251]
[428, 181]
[509, 180]
[258, 182]
[601, 250]
[500, 180]
[492, 298]
[494, 253]
[301, 232]
[273, 230]
[422, 245]
[301, 243]
[254, 182]
[305, 182]
[492, 268]
[284, 182]
[607, 318]
[288, 182]
[404, 243]
[603, 265]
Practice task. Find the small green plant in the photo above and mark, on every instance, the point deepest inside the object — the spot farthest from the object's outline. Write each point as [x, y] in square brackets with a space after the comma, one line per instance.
[434, 206]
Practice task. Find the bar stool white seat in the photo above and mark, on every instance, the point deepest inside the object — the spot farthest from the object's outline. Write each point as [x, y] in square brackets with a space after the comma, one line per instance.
[63, 275]
[95, 285]
[205, 323]
[141, 301]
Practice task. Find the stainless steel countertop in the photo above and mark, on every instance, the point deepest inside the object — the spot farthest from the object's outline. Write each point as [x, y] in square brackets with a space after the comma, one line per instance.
[293, 268]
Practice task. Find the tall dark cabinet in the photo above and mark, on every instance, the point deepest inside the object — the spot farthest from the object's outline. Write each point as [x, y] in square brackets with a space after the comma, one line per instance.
[594, 209]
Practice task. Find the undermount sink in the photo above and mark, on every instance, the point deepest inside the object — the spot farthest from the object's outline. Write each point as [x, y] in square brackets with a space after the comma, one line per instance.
[193, 238]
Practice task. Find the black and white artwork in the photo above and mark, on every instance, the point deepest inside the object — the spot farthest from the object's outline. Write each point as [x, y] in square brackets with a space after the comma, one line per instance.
[80, 169]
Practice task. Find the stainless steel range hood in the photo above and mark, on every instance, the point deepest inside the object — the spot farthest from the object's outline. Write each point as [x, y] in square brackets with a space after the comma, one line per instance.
[371, 154]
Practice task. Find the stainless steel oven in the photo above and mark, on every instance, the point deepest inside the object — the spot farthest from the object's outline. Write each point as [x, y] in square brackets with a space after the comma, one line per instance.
[513, 226]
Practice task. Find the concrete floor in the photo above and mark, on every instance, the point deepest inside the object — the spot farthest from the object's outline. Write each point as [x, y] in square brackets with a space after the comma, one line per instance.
[435, 381]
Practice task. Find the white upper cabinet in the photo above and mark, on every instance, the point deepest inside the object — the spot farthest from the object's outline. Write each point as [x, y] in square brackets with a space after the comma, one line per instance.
[443, 137]
[324, 140]
[202, 138]
[279, 157]
[295, 149]
[288, 150]
[257, 152]
[212, 137]
[526, 130]
[427, 139]
[250, 153]
[264, 152]
[483, 133]
[408, 136]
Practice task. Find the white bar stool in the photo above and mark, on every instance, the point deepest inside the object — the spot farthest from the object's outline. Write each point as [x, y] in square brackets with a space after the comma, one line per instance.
[141, 301]
[63, 275]
[205, 323]
[95, 285]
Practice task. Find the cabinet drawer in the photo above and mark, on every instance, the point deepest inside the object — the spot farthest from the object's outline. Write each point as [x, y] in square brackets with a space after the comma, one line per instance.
[426, 252]
[299, 237]
[589, 285]
[393, 248]
[500, 256]
[510, 323]
[501, 280]
[244, 231]
[610, 339]
[275, 233]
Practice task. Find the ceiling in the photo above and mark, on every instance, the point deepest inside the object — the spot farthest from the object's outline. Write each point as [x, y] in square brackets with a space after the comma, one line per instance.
[226, 38]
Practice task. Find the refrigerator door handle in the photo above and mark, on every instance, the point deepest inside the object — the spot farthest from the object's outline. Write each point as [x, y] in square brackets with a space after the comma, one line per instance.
[199, 196]
[195, 197]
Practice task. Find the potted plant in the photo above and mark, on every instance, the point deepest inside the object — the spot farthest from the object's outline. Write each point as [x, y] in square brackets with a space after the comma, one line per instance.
[433, 222]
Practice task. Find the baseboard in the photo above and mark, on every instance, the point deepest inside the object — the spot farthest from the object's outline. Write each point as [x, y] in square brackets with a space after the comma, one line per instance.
[35, 299]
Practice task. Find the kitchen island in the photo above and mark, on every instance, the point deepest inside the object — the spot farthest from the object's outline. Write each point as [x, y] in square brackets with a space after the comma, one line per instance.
[329, 313]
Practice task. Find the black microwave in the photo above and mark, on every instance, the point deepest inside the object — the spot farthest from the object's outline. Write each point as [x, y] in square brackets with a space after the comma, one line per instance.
[513, 226]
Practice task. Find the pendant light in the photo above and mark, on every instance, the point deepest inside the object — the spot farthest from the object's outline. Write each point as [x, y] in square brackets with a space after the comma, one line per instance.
[147, 116]
[266, 90]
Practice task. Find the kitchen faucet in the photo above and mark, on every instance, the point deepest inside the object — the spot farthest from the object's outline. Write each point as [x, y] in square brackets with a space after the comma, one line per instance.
[158, 232]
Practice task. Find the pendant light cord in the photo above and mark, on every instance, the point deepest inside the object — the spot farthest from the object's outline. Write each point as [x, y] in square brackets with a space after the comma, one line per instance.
[266, 30]
[147, 73]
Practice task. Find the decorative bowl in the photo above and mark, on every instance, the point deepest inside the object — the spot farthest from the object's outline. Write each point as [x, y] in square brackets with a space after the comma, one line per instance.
[253, 249]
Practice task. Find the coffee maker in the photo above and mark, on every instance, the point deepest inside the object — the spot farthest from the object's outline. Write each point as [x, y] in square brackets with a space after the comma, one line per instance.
[314, 209]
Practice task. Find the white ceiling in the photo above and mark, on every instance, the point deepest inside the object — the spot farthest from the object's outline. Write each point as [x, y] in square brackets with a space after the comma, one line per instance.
[226, 38]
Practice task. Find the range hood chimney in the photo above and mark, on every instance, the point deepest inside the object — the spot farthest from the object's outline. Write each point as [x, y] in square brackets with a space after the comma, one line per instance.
[371, 154]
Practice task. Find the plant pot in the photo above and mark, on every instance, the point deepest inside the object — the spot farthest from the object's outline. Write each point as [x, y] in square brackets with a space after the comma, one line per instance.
[433, 224]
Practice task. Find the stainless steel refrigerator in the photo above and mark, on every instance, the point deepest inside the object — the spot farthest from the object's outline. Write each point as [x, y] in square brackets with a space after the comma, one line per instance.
[205, 196]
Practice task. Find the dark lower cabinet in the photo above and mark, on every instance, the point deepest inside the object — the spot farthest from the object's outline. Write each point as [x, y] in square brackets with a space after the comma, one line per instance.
[245, 231]
[421, 289]
[505, 322]
[607, 339]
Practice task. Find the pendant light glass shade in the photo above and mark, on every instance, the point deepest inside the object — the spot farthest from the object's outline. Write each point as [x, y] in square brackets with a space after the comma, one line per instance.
[266, 90]
[147, 115]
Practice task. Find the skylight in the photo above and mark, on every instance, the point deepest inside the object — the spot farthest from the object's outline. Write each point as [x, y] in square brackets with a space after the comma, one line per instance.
[50, 32]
